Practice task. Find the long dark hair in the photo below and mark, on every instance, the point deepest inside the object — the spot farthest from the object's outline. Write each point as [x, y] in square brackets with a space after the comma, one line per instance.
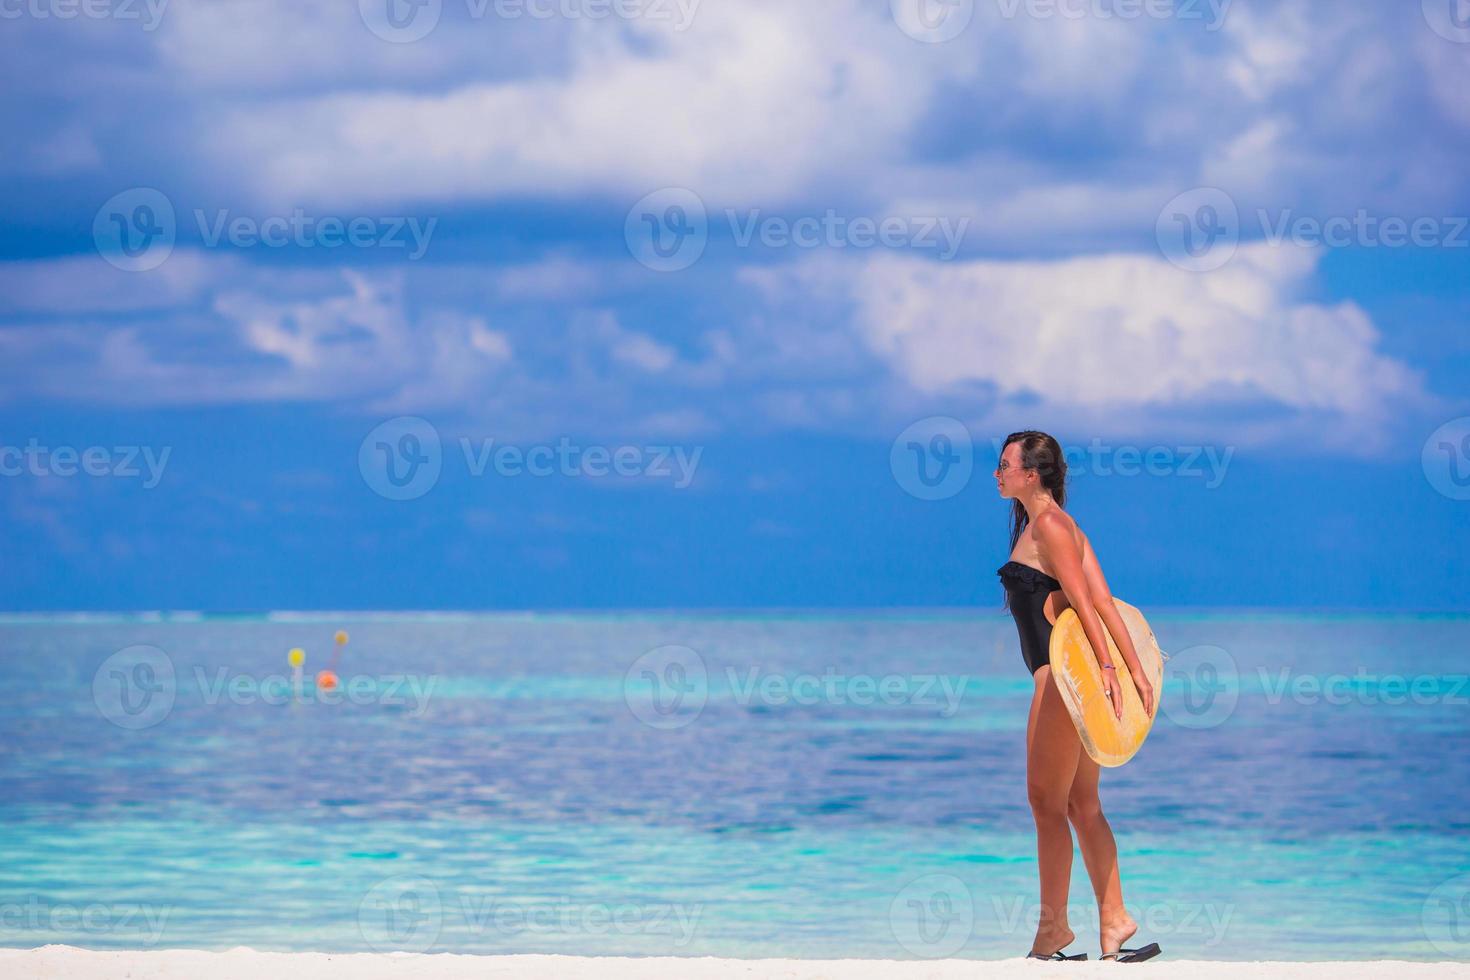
[1039, 452]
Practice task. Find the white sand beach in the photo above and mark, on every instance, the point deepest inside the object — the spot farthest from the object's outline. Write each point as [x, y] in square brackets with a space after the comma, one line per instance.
[71, 963]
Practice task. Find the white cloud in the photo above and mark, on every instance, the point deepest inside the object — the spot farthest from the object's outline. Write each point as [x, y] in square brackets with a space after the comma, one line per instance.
[1116, 344]
[86, 283]
[322, 336]
[1123, 342]
[1069, 131]
[64, 151]
[1273, 50]
[1448, 71]
[751, 103]
[283, 46]
[552, 278]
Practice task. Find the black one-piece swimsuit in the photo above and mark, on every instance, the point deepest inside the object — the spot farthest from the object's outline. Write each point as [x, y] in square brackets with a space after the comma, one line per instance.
[1027, 589]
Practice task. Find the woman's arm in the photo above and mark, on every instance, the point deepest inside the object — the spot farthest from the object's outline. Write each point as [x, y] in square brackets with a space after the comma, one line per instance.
[1102, 600]
[1054, 541]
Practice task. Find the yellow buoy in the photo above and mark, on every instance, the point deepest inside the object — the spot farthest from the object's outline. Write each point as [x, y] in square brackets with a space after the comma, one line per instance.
[1109, 740]
[341, 637]
[297, 656]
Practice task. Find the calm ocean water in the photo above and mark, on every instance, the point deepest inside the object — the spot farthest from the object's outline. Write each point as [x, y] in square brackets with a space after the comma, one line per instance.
[812, 785]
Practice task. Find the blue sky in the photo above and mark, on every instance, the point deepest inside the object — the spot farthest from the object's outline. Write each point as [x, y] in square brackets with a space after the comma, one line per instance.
[241, 243]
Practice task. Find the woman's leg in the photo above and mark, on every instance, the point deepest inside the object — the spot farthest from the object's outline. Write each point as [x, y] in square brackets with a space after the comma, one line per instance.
[1100, 853]
[1052, 751]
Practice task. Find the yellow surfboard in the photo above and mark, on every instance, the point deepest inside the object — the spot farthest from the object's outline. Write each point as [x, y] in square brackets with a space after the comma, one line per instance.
[1109, 740]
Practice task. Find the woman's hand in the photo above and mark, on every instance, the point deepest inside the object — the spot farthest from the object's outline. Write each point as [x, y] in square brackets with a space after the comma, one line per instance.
[1145, 690]
[1111, 690]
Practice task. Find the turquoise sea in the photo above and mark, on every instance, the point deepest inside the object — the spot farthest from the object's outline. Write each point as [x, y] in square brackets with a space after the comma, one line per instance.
[786, 784]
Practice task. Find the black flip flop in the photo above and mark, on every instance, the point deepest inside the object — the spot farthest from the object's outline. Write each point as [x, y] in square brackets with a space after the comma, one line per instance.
[1134, 955]
[1058, 955]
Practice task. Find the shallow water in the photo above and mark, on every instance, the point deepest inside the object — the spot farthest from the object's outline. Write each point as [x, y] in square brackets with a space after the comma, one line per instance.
[823, 785]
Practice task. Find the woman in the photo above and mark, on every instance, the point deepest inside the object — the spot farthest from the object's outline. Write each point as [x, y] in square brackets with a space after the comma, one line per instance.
[1053, 568]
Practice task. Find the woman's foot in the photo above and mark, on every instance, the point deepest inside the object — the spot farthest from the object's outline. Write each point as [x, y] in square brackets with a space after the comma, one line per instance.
[1116, 931]
[1052, 940]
